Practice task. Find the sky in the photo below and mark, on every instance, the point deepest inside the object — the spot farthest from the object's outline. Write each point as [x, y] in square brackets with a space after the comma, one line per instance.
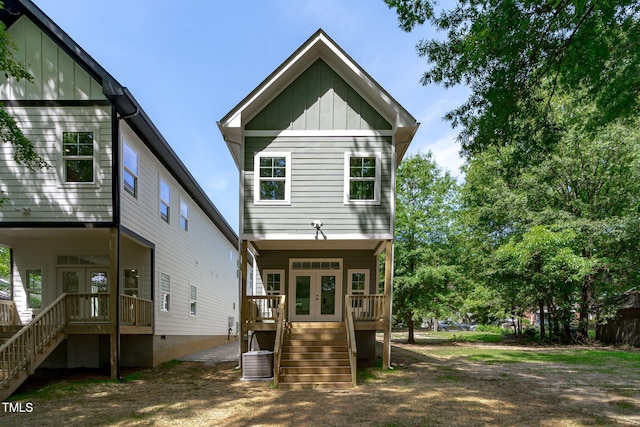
[189, 62]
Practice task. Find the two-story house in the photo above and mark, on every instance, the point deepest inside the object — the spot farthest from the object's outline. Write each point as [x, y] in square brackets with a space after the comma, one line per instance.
[317, 144]
[118, 256]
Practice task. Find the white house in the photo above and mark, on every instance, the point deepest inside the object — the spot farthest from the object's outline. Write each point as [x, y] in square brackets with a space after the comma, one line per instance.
[116, 242]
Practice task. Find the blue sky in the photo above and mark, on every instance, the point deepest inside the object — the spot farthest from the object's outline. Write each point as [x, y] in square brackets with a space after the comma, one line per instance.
[188, 63]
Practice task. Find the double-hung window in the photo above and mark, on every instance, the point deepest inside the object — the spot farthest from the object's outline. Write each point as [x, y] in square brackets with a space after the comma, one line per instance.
[184, 215]
[272, 182]
[358, 284]
[165, 201]
[78, 157]
[129, 170]
[34, 288]
[362, 178]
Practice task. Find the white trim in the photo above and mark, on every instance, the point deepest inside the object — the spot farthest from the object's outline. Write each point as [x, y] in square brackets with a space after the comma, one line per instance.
[265, 274]
[367, 281]
[125, 170]
[319, 133]
[96, 156]
[183, 203]
[377, 179]
[161, 201]
[314, 313]
[311, 236]
[256, 179]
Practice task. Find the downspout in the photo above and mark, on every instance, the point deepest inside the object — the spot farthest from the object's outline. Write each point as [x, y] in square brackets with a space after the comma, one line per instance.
[116, 179]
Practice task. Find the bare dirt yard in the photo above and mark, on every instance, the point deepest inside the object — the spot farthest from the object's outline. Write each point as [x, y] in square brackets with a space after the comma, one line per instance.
[447, 384]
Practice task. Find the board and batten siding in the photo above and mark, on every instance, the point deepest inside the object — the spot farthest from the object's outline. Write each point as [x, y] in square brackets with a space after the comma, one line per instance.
[56, 76]
[319, 99]
[201, 256]
[44, 192]
[317, 188]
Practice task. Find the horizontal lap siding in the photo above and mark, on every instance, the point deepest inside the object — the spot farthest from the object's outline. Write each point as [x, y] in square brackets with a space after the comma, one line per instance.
[317, 189]
[44, 192]
[201, 256]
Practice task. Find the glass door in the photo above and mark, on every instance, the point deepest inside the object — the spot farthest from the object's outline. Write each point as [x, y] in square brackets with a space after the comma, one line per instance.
[315, 296]
[93, 285]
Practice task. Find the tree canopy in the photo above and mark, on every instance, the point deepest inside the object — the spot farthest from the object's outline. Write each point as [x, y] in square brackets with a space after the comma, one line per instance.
[515, 54]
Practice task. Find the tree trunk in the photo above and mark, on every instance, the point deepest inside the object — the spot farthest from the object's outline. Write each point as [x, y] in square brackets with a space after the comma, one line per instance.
[542, 328]
[583, 324]
[411, 338]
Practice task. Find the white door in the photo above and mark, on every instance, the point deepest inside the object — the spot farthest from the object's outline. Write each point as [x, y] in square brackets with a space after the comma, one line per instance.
[316, 296]
[86, 280]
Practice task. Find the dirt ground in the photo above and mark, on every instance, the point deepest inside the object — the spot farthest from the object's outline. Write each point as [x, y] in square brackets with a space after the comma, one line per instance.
[427, 387]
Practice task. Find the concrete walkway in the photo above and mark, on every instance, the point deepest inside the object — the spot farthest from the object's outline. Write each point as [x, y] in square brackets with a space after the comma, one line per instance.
[211, 356]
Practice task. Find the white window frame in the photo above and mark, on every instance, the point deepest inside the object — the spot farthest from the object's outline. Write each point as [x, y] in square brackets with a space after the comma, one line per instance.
[128, 170]
[94, 158]
[164, 202]
[184, 215]
[377, 179]
[265, 281]
[350, 273]
[256, 178]
[30, 290]
[165, 293]
[128, 286]
[193, 300]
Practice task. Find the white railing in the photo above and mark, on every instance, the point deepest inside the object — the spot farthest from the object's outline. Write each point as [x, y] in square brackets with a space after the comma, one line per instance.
[277, 348]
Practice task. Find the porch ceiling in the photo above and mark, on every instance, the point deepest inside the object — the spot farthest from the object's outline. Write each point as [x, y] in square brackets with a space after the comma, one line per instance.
[300, 245]
[8, 235]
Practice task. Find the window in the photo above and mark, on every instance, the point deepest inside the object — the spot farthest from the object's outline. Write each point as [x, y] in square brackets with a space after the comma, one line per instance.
[165, 201]
[358, 284]
[194, 300]
[184, 215]
[130, 170]
[362, 178]
[272, 178]
[77, 153]
[131, 280]
[165, 291]
[273, 281]
[34, 288]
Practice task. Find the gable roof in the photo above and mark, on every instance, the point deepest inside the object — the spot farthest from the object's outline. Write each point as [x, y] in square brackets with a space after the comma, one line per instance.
[125, 104]
[318, 46]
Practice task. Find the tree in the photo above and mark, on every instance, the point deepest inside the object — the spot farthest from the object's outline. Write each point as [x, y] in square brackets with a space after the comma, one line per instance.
[426, 274]
[514, 55]
[24, 152]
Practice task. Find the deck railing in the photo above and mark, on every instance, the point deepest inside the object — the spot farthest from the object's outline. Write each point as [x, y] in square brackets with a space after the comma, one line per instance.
[7, 312]
[351, 338]
[259, 308]
[88, 308]
[19, 352]
[135, 311]
[277, 347]
[367, 307]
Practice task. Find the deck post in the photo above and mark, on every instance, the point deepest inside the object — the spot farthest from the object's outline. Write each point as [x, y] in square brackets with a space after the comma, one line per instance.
[388, 275]
[113, 300]
[244, 268]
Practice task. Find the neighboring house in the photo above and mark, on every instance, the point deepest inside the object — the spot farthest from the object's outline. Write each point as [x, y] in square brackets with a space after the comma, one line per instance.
[317, 144]
[117, 223]
[624, 328]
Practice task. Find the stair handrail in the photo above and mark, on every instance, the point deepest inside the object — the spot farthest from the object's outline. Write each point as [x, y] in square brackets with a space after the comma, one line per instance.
[19, 352]
[277, 347]
[351, 338]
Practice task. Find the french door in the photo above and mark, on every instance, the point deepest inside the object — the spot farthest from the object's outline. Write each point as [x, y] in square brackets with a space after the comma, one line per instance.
[316, 296]
[86, 280]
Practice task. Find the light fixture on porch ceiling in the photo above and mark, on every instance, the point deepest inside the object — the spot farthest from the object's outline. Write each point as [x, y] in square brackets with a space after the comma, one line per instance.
[318, 225]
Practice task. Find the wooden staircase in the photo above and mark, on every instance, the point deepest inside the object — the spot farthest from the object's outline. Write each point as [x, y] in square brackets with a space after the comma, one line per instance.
[315, 355]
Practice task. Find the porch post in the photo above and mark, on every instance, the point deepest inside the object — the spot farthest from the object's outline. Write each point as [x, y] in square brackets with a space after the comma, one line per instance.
[244, 259]
[388, 275]
[113, 300]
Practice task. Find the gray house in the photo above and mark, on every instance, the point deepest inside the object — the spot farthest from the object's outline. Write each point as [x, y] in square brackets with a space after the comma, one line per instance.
[317, 144]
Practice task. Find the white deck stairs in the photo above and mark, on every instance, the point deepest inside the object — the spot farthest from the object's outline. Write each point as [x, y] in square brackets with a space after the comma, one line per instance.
[315, 355]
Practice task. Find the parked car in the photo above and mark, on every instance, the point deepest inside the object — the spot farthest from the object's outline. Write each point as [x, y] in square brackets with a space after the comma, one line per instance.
[453, 326]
